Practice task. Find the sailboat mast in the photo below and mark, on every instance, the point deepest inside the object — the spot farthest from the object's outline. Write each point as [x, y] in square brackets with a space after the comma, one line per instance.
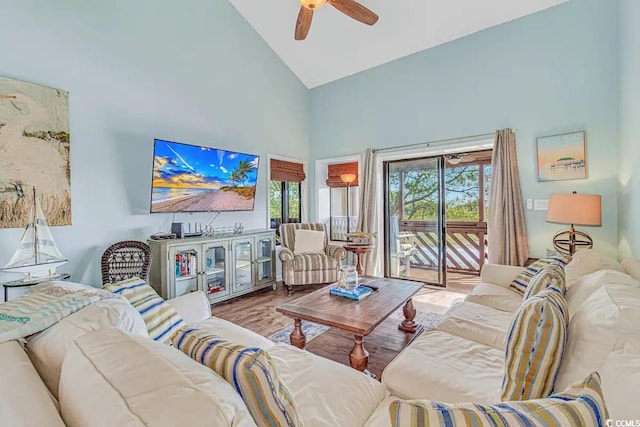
[35, 228]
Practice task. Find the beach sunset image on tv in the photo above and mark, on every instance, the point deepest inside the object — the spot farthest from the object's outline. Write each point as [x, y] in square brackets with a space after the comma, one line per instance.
[189, 178]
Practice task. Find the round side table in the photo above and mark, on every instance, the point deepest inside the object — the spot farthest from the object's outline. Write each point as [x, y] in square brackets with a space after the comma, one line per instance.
[359, 250]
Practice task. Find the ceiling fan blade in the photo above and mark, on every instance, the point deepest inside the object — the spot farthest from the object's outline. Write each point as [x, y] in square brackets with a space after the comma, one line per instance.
[303, 23]
[355, 10]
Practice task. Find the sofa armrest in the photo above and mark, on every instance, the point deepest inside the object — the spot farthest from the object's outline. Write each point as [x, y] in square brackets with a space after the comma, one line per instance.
[192, 307]
[501, 275]
[286, 255]
[336, 251]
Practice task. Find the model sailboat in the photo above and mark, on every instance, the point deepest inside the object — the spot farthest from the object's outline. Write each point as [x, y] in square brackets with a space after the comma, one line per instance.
[37, 254]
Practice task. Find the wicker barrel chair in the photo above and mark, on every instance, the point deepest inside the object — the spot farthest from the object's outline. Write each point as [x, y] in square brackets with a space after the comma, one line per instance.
[124, 260]
[308, 268]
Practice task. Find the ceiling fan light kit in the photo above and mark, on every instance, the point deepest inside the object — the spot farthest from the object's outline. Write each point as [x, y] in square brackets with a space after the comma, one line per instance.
[351, 8]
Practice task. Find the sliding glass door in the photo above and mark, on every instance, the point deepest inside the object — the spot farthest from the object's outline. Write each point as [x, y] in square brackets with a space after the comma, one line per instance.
[415, 245]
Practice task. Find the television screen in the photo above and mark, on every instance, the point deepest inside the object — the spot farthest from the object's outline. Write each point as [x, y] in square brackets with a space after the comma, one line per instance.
[190, 178]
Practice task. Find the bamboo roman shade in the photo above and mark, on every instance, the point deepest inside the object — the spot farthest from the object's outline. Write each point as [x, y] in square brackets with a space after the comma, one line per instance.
[334, 172]
[282, 170]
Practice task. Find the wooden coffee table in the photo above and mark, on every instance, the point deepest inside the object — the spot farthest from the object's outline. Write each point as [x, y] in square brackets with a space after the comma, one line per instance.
[357, 317]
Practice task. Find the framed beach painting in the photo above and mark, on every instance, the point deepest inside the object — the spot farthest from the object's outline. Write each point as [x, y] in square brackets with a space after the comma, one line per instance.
[34, 153]
[562, 157]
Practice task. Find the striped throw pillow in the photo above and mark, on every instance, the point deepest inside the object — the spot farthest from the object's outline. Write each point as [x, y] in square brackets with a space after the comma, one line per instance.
[161, 318]
[250, 370]
[520, 283]
[548, 276]
[580, 405]
[535, 346]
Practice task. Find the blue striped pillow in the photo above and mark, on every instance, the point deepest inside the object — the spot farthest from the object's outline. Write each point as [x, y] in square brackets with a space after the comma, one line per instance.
[548, 276]
[162, 320]
[582, 404]
[520, 283]
[250, 370]
[535, 346]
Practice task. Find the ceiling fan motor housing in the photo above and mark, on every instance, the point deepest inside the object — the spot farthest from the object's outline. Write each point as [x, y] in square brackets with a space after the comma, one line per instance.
[313, 4]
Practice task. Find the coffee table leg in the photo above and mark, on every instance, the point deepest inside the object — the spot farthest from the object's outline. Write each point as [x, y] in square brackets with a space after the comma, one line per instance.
[297, 337]
[359, 357]
[408, 325]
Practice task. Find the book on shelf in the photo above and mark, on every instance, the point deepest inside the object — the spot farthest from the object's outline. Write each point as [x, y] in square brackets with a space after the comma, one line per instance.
[186, 264]
[359, 293]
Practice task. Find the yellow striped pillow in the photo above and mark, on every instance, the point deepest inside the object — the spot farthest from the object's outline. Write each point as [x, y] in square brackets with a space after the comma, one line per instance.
[550, 275]
[250, 370]
[582, 404]
[161, 318]
[535, 346]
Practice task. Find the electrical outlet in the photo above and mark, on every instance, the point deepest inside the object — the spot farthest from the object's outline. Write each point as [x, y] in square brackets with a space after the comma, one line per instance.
[541, 205]
[529, 204]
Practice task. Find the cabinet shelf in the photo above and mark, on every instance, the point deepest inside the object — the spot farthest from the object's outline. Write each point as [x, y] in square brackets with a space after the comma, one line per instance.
[263, 259]
[181, 278]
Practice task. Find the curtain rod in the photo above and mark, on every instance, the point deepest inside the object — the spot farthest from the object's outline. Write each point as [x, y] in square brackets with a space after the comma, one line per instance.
[438, 142]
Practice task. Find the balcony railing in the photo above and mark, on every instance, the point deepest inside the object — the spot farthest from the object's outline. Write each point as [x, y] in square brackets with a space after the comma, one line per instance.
[466, 245]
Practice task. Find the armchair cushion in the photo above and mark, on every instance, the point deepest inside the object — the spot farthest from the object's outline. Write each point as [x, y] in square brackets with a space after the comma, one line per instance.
[309, 242]
[314, 262]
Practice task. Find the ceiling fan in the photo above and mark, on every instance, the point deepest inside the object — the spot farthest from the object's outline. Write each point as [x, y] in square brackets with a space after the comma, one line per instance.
[350, 8]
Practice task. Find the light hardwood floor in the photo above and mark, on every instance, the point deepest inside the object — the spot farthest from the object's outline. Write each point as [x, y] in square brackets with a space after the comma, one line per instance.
[257, 312]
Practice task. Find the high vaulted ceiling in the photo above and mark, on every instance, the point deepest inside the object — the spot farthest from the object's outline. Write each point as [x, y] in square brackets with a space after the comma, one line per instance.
[337, 46]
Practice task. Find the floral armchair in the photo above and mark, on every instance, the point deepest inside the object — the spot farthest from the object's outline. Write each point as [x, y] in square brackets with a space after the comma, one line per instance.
[308, 268]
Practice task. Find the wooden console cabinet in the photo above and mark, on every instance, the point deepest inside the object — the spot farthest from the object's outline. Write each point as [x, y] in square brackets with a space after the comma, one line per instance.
[223, 266]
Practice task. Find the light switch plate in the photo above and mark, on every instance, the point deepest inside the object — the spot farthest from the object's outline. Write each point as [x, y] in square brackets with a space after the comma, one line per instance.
[541, 205]
[529, 204]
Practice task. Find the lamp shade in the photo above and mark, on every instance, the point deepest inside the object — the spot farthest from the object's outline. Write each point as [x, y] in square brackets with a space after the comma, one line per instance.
[348, 178]
[577, 209]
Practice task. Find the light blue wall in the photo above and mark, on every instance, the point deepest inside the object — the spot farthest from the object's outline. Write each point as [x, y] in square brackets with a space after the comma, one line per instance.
[629, 206]
[551, 72]
[194, 72]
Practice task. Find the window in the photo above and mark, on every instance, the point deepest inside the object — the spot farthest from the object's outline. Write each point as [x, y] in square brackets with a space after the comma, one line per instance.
[341, 179]
[285, 193]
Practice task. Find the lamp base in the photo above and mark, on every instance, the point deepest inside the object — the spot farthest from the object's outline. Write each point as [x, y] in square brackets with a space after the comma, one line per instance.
[568, 242]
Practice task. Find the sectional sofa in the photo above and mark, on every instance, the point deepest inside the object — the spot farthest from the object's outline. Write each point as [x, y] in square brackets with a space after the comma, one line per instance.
[97, 367]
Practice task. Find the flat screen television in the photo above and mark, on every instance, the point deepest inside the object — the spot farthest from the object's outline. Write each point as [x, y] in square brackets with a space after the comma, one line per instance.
[192, 178]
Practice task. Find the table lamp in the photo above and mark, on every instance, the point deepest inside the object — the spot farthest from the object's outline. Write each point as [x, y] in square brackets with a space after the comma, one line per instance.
[574, 209]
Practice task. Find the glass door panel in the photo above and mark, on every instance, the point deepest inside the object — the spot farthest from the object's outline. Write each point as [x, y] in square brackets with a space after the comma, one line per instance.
[264, 262]
[215, 277]
[186, 270]
[414, 220]
[242, 268]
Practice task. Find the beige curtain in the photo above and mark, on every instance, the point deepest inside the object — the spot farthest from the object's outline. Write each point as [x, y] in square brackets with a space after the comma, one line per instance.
[367, 212]
[507, 234]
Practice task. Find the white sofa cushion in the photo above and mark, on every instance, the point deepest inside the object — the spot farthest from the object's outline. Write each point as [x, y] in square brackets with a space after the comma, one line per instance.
[233, 333]
[586, 261]
[47, 349]
[582, 404]
[477, 322]
[496, 296]
[621, 382]
[447, 368]
[604, 323]
[586, 285]
[112, 379]
[632, 267]
[326, 393]
[25, 400]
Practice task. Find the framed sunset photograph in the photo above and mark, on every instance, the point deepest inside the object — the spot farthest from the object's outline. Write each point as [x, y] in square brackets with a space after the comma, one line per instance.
[562, 157]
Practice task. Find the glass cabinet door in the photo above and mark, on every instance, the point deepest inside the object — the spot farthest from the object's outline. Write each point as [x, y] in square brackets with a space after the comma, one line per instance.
[215, 271]
[264, 261]
[185, 265]
[242, 269]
